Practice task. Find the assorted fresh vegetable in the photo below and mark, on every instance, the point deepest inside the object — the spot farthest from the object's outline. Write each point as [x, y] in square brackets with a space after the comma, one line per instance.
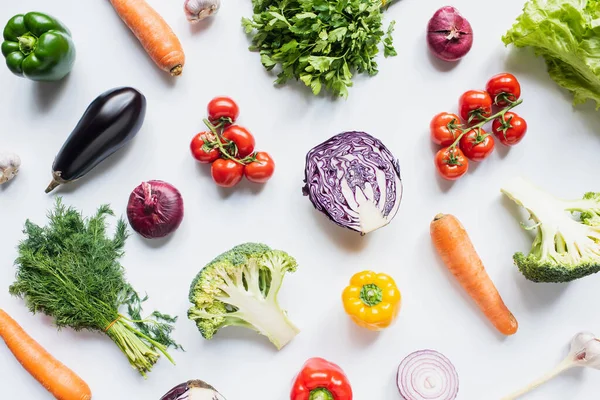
[456, 250]
[565, 33]
[449, 34]
[354, 180]
[38, 47]
[464, 139]
[239, 288]
[567, 241]
[584, 352]
[53, 375]
[230, 148]
[155, 209]
[154, 34]
[197, 10]
[70, 271]
[427, 375]
[193, 390]
[108, 124]
[321, 43]
[320, 379]
[9, 166]
[372, 300]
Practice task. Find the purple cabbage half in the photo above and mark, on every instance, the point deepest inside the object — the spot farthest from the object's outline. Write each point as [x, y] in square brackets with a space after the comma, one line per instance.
[193, 390]
[354, 180]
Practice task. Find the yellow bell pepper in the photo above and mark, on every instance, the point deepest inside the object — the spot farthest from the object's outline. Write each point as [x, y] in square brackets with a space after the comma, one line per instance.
[372, 300]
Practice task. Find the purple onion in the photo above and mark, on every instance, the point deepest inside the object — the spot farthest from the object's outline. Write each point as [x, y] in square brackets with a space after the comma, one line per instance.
[427, 375]
[449, 34]
[155, 209]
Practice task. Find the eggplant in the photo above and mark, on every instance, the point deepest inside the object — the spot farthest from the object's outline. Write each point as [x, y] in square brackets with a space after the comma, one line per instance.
[193, 390]
[108, 124]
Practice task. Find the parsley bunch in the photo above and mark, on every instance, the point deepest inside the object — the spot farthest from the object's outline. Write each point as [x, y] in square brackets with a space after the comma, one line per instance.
[69, 270]
[320, 42]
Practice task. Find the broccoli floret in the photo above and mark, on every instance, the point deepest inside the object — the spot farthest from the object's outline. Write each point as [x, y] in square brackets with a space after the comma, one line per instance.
[567, 243]
[239, 288]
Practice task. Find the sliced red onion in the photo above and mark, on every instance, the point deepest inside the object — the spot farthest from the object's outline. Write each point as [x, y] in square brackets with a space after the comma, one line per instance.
[427, 375]
[155, 209]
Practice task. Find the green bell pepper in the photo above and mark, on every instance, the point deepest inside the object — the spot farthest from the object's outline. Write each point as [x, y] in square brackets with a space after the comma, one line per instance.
[38, 46]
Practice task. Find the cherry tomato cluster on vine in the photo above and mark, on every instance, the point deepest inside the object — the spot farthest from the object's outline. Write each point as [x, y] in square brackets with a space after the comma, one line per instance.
[229, 148]
[463, 137]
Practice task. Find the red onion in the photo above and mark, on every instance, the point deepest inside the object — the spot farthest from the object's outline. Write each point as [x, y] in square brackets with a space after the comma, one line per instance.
[449, 34]
[155, 209]
[427, 375]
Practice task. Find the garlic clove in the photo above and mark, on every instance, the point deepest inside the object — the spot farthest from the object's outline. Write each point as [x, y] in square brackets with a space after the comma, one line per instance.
[9, 166]
[197, 10]
[585, 350]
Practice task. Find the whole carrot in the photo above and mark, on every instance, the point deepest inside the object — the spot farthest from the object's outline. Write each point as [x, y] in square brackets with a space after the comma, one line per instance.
[59, 380]
[456, 250]
[155, 35]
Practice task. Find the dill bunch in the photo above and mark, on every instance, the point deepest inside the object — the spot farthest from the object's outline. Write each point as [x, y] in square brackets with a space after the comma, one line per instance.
[70, 271]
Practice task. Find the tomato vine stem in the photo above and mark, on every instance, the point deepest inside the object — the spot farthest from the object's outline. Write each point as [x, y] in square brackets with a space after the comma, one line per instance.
[499, 114]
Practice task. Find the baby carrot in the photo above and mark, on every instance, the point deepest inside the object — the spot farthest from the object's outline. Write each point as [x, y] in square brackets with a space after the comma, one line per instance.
[155, 35]
[59, 380]
[456, 250]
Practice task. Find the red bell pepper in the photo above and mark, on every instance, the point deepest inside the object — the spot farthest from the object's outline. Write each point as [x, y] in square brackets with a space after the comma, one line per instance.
[320, 379]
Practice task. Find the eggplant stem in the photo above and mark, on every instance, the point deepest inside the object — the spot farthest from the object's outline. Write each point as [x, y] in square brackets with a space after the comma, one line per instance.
[53, 185]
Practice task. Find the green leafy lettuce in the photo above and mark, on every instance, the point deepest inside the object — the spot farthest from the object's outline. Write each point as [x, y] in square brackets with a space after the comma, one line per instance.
[567, 34]
[319, 42]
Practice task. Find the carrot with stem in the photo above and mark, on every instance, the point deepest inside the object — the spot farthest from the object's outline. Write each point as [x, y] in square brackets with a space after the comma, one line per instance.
[153, 32]
[59, 380]
[458, 253]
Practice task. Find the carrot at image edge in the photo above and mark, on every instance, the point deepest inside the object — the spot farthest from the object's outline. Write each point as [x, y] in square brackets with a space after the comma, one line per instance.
[458, 253]
[153, 32]
[58, 379]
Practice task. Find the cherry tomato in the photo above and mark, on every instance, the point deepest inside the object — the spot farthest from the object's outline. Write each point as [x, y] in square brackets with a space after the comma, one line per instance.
[502, 87]
[226, 172]
[509, 130]
[201, 151]
[242, 138]
[444, 128]
[451, 163]
[261, 170]
[475, 106]
[477, 145]
[222, 107]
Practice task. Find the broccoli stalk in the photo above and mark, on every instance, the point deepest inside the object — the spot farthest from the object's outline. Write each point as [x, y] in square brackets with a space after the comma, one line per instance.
[567, 243]
[239, 288]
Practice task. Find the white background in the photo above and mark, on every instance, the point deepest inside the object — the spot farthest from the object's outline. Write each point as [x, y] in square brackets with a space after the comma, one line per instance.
[560, 153]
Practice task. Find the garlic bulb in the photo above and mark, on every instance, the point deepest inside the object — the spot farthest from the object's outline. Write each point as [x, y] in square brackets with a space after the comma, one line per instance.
[9, 166]
[197, 10]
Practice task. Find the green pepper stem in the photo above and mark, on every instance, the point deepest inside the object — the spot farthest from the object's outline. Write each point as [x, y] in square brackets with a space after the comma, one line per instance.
[371, 294]
[27, 43]
[320, 394]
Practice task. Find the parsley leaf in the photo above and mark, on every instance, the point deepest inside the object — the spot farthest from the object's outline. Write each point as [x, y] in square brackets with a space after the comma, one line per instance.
[319, 42]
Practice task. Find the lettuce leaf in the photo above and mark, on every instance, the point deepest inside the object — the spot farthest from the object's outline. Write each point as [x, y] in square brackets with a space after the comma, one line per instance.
[567, 34]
